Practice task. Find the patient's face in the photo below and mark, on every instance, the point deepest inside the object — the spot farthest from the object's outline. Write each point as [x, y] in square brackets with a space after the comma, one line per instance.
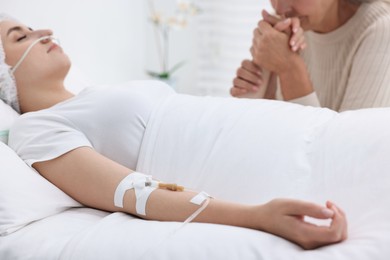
[316, 15]
[44, 57]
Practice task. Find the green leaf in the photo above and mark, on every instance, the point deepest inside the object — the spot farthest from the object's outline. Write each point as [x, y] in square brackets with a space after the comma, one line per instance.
[161, 75]
[166, 74]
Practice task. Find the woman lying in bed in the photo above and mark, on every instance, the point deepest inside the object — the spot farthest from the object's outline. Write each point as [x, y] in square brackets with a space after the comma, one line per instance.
[68, 140]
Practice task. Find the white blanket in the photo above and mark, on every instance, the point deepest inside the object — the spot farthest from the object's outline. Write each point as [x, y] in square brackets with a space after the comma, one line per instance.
[249, 151]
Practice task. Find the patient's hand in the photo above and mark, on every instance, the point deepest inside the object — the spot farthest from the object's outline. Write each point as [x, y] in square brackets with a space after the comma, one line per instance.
[285, 218]
[249, 81]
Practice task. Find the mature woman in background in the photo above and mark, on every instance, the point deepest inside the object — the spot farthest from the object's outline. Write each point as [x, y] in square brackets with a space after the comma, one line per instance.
[345, 66]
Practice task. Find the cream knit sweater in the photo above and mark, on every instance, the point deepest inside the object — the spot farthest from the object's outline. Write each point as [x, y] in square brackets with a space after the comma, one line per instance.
[350, 67]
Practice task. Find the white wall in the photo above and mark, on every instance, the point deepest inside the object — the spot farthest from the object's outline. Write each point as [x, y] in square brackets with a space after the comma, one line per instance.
[225, 33]
[104, 38]
[112, 41]
[183, 47]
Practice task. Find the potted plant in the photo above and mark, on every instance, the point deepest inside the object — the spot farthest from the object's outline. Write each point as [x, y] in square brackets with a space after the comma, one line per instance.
[162, 27]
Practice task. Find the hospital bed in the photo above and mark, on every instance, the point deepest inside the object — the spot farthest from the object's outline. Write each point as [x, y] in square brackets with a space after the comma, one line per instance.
[248, 151]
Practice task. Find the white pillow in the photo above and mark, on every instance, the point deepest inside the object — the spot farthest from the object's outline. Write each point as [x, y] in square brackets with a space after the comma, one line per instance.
[25, 196]
[7, 118]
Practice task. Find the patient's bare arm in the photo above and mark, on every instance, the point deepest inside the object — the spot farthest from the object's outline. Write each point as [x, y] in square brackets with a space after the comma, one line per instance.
[92, 179]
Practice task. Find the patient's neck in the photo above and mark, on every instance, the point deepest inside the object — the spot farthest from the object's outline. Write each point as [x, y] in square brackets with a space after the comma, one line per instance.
[42, 98]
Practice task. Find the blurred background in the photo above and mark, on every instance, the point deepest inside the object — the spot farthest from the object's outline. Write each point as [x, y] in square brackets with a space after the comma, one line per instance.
[111, 41]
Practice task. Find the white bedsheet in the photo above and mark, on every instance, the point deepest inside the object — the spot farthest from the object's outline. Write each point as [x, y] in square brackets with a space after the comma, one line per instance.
[92, 234]
[244, 151]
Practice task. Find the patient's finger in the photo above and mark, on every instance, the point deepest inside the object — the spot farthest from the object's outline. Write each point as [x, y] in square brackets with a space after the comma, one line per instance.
[303, 208]
[330, 204]
[336, 232]
[339, 222]
[311, 236]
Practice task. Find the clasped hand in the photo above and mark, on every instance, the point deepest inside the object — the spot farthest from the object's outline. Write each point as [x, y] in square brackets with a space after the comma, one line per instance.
[272, 41]
[275, 42]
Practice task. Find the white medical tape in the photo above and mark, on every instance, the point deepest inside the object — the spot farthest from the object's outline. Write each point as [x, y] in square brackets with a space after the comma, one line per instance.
[200, 197]
[143, 186]
[198, 200]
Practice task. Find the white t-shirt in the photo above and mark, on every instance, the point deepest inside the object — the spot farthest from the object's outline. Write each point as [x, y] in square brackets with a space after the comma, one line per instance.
[111, 120]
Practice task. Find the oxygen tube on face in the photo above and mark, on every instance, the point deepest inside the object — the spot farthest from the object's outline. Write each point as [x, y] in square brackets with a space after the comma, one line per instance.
[13, 69]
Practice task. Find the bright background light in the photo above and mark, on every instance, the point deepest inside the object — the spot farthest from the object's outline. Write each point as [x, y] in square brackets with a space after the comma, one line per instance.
[113, 41]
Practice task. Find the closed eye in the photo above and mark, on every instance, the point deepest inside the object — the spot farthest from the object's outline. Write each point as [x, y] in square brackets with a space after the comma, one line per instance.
[21, 38]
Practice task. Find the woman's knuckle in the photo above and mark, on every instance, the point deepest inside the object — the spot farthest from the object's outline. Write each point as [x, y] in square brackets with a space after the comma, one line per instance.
[236, 82]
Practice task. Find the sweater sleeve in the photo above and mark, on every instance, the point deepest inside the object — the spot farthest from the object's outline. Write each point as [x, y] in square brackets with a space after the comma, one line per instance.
[369, 80]
[308, 100]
